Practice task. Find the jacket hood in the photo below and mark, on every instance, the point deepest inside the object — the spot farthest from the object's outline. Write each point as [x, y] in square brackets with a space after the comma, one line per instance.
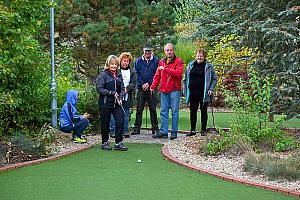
[71, 97]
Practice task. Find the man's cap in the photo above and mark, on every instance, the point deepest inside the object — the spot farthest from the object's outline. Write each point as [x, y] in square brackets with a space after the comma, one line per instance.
[147, 48]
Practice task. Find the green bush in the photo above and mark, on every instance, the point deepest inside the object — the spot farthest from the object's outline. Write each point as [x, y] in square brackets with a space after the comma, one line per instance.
[23, 98]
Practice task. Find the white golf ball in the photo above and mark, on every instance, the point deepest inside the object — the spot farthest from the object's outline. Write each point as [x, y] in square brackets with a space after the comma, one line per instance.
[139, 160]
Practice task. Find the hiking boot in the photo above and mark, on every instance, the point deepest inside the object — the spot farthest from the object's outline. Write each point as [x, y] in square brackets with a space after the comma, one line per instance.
[135, 132]
[105, 146]
[121, 147]
[160, 135]
[79, 140]
[126, 135]
[203, 133]
[191, 133]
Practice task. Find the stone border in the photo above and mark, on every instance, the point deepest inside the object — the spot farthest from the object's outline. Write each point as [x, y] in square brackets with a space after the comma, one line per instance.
[166, 153]
[33, 162]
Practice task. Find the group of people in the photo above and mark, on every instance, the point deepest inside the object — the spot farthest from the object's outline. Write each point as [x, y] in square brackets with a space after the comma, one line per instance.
[116, 90]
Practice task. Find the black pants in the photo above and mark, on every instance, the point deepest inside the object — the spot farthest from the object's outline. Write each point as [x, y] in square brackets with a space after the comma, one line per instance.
[105, 115]
[142, 97]
[196, 99]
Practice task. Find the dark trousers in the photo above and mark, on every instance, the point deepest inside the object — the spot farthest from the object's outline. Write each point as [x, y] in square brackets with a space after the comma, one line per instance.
[105, 116]
[78, 127]
[142, 97]
[196, 99]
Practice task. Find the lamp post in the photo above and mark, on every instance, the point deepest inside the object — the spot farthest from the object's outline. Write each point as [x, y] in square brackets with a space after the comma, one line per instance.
[53, 82]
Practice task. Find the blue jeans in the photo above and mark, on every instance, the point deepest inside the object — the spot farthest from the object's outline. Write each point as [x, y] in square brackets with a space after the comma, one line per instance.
[78, 127]
[168, 101]
[112, 124]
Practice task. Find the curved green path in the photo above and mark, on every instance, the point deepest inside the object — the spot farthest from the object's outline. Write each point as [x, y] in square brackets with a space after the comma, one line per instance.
[95, 174]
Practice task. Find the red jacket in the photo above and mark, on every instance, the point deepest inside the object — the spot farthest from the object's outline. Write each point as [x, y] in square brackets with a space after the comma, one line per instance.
[170, 78]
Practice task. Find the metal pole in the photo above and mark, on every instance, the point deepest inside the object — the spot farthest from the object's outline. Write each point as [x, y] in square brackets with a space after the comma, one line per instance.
[53, 82]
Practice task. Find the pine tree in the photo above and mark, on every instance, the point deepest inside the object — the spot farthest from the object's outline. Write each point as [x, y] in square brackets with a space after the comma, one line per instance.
[271, 30]
[98, 28]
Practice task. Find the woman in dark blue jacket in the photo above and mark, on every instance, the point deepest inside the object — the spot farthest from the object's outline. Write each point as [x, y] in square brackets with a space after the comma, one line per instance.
[111, 90]
[70, 120]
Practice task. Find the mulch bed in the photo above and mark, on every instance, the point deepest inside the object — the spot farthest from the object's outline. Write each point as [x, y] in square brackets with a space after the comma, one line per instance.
[11, 154]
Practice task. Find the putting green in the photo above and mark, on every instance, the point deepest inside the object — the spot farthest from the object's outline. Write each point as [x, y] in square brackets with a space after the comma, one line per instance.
[97, 174]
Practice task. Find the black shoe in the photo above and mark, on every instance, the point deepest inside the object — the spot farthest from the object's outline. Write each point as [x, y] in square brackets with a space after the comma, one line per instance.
[126, 135]
[160, 135]
[173, 137]
[203, 133]
[120, 147]
[135, 132]
[113, 135]
[191, 133]
[105, 146]
[154, 131]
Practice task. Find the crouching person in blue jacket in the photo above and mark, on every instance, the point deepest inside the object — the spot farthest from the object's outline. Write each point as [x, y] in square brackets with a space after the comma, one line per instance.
[70, 120]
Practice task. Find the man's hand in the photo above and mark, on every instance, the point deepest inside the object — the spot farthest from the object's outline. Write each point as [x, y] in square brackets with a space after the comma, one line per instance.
[210, 92]
[161, 67]
[145, 86]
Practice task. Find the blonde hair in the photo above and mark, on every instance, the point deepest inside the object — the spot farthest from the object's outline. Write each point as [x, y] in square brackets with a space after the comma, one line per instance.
[198, 51]
[109, 59]
[126, 55]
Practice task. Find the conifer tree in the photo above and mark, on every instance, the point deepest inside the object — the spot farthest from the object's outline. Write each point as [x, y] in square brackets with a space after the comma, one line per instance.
[98, 28]
[271, 30]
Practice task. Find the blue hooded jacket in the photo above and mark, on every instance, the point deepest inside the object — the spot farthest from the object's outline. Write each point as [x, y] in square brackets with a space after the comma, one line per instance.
[68, 113]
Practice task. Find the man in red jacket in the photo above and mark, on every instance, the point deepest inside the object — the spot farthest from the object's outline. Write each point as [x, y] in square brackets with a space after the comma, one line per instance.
[169, 76]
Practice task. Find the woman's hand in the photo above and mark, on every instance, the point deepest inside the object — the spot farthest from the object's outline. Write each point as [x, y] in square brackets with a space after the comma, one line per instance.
[86, 115]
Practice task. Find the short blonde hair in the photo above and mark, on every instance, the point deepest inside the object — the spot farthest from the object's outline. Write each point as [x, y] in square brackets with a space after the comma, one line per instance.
[126, 55]
[198, 51]
[109, 59]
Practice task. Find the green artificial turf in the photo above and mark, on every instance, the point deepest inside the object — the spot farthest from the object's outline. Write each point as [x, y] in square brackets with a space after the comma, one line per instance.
[95, 175]
[222, 120]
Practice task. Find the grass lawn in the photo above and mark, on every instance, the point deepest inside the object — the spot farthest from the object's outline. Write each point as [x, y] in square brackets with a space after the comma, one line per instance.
[221, 120]
[96, 174]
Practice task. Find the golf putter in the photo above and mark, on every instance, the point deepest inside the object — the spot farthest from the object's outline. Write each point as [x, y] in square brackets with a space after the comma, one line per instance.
[212, 114]
[119, 101]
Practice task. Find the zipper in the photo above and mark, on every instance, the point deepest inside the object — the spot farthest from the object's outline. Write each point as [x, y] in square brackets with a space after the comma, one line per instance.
[115, 89]
[206, 69]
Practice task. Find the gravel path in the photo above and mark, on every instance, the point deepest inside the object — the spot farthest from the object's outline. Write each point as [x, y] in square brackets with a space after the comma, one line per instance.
[186, 149]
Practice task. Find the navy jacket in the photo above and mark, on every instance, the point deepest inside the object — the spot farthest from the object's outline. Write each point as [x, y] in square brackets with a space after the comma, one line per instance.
[145, 71]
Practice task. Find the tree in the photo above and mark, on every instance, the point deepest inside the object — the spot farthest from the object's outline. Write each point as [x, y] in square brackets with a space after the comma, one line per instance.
[98, 28]
[23, 98]
[272, 31]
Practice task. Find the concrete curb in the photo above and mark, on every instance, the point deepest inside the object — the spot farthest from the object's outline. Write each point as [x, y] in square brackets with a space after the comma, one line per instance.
[165, 151]
[33, 162]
